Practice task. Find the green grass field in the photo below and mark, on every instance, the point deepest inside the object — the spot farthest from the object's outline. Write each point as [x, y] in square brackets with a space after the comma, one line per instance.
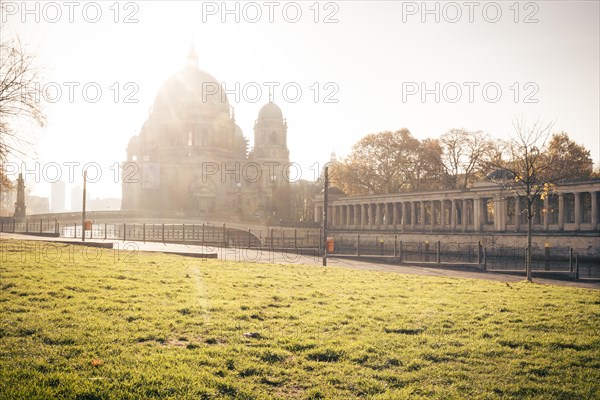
[137, 325]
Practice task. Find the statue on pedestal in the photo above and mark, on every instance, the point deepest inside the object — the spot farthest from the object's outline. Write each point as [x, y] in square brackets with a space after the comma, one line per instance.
[20, 204]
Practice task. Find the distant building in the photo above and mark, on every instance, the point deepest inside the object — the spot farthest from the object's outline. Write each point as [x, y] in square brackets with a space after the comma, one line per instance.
[191, 158]
[37, 205]
[57, 197]
[77, 198]
[106, 204]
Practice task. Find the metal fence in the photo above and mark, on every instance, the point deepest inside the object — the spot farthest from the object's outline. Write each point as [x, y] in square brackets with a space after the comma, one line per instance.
[576, 262]
[201, 234]
[548, 259]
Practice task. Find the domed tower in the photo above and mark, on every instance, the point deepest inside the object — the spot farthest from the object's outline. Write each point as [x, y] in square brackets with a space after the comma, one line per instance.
[189, 137]
[270, 138]
[271, 153]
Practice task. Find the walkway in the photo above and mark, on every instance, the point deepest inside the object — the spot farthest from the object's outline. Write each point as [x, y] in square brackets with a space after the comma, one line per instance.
[292, 257]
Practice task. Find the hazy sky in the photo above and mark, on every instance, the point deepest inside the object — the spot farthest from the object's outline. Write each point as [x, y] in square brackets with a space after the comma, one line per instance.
[372, 58]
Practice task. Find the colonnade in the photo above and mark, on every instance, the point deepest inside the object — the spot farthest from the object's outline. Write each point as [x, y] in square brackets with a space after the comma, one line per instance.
[483, 209]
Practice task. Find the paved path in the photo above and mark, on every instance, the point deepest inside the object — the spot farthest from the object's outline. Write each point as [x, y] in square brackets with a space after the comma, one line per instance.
[266, 256]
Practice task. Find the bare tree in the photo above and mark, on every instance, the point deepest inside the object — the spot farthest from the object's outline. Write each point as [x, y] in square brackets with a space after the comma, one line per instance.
[20, 99]
[529, 172]
[20, 96]
[465, 156]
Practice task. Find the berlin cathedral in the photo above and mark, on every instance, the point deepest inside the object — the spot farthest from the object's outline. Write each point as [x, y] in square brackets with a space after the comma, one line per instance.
[190, 158]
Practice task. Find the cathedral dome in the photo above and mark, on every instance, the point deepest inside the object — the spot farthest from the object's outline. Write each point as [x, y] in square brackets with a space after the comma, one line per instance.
[270, 111]
[189, 94]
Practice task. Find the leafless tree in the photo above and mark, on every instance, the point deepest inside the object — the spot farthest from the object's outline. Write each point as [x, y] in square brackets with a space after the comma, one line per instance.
[529, 172]
[20, 96]
[465, 156]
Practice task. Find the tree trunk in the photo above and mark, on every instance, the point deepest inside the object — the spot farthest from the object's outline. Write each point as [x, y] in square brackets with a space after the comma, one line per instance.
[528, 251]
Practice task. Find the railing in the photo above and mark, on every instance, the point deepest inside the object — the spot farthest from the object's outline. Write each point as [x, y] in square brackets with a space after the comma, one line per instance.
[37, 226]
[576, 263]
[200, 234]
[544, 259]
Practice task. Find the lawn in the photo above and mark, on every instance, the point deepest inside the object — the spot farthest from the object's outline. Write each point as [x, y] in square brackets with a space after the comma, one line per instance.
[82, 323]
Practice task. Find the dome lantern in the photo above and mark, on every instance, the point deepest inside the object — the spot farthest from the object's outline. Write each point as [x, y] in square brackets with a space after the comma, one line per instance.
[192, 58]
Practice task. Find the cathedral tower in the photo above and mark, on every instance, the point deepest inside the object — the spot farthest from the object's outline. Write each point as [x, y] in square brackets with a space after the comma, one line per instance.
[272, 155]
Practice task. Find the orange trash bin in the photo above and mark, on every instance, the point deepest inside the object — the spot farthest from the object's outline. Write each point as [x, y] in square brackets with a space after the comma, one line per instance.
[330, 244]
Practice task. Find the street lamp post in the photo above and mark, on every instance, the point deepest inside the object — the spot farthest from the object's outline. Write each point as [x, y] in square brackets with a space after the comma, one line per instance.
[325, 203]
[83, 207]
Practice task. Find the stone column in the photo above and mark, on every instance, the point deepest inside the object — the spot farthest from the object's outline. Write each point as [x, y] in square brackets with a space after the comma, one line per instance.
[577, 210]
[453, 214]
[431, 214]
[387, 214]
[412, 215]
[332, 212]
[443, 208]
[546, 212]
[561, 211]
[499, 214]
[477, 214]
[422, 214]
[403, 216]
[594, 210]
[464, 220]
[357, 222]
[361, 216]
[370, 214]
[517, 213]
[349, 216]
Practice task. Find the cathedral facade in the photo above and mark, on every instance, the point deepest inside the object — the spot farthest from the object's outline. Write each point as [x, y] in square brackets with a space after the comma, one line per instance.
[191, 158]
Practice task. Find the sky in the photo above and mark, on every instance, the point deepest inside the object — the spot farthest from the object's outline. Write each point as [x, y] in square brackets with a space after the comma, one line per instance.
[349, 68]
